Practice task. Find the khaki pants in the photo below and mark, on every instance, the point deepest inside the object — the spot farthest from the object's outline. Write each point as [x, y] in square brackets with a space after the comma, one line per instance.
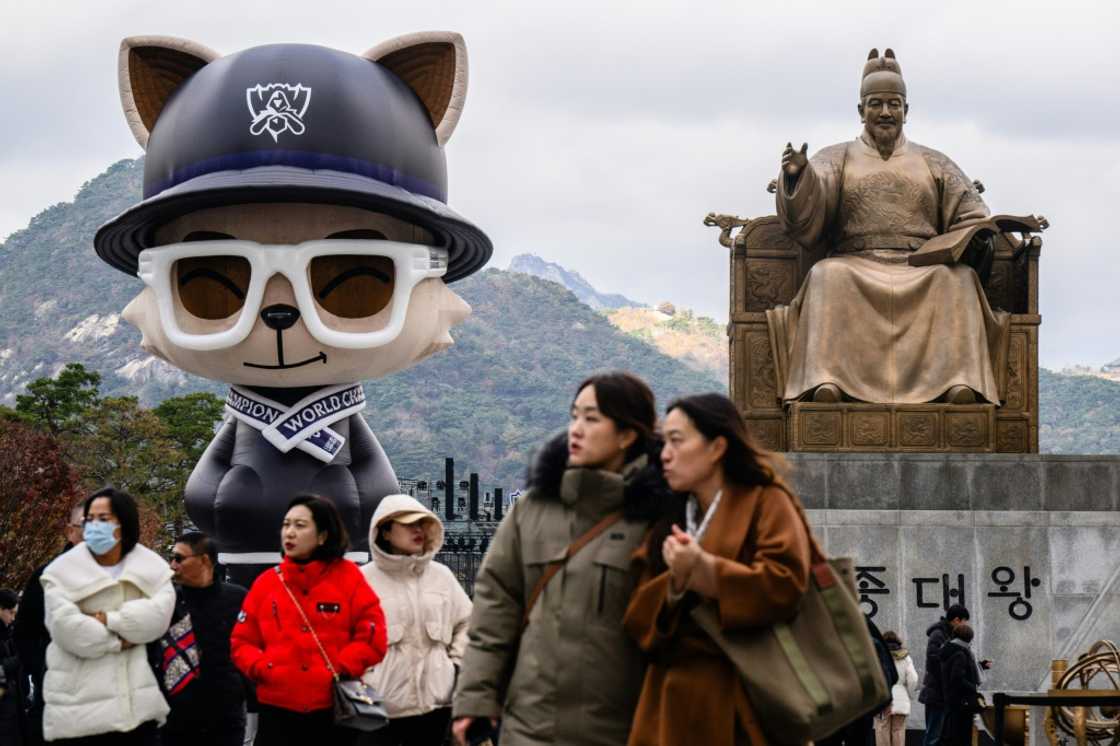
[890, 730]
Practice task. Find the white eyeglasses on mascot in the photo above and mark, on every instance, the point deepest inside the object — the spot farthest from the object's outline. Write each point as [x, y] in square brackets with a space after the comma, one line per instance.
[294, 240]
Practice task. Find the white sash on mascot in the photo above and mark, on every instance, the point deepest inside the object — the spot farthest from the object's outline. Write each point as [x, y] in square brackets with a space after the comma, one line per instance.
[304, 425]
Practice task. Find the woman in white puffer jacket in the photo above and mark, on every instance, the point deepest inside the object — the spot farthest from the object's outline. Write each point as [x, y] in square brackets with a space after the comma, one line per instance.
[890, 725]
[426, 611]
[105, 599]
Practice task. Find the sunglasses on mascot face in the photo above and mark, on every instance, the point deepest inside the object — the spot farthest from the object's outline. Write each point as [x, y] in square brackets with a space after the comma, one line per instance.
[346, 278]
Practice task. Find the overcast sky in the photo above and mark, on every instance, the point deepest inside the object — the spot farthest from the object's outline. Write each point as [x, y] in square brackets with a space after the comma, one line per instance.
[599, 134]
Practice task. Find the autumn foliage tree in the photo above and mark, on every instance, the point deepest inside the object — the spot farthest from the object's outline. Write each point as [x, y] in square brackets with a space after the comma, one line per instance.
[122, 444]
[37, 490]
[148, 453]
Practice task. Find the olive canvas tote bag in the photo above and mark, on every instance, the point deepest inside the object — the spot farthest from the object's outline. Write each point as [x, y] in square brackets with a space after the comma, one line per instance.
[809, 676]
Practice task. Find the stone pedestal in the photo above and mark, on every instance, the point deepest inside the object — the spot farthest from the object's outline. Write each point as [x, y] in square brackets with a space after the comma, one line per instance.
[861, 428]
[1029, 543]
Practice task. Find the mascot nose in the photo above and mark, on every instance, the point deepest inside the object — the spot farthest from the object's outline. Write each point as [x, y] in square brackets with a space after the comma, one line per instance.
[279, 316]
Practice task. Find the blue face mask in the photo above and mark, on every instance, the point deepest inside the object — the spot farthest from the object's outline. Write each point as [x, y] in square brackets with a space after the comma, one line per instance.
[98, 536]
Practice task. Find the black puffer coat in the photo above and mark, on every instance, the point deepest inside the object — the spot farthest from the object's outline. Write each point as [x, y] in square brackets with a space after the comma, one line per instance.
[931, 695]
[960, 680]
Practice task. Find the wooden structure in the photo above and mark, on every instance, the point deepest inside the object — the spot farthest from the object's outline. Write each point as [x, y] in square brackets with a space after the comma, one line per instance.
[767, 270]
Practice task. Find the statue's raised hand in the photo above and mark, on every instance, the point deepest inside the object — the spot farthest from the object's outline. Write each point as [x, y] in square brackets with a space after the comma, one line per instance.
[793, 161]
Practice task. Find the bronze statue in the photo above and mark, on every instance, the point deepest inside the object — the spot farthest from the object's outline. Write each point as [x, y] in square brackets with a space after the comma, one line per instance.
[866, 325]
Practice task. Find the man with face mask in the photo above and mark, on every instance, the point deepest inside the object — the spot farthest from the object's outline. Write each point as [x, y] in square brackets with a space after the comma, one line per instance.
[105, 599]
[200, 682]
[866, 325]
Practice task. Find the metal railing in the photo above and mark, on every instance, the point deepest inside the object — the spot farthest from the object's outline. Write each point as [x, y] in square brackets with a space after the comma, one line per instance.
[463, 553]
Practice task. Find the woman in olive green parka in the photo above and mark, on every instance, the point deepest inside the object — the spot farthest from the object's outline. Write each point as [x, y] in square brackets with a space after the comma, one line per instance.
[570, 675]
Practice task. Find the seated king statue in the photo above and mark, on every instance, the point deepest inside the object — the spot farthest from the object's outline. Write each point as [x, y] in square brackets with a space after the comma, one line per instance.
[866, 325]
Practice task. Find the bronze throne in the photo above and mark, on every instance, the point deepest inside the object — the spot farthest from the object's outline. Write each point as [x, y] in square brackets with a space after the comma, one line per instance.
[767, 270]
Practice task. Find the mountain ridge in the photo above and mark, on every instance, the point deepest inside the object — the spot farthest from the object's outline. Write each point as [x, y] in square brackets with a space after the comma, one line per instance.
[487, 401]
[532, 264]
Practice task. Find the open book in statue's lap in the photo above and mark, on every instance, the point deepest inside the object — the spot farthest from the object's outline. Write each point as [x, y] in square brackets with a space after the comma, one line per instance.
[866, 324]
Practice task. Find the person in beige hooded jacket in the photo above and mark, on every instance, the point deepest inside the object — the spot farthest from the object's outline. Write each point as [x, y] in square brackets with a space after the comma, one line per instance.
[426, 611]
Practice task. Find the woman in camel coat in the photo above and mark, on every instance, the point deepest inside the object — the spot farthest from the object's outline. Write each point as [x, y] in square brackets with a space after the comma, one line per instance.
[740, 544]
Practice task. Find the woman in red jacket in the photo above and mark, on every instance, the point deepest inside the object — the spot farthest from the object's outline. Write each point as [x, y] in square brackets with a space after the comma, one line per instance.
[273, 646]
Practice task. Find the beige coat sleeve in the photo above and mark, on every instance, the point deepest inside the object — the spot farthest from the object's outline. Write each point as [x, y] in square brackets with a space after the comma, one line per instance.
[495, 625]
[460, 622]
[911, 678]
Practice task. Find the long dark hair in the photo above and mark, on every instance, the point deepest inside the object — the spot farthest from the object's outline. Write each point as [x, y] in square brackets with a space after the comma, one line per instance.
[126, 511]
[326, 518]
[628, 402]
[745, 463]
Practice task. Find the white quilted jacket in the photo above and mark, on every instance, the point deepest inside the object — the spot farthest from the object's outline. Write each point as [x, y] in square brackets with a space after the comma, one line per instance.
[903, 692]
[91, 685]
[426, 611]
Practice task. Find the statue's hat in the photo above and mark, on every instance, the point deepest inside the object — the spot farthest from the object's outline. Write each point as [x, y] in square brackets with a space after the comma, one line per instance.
[882, 74]
[291, 123]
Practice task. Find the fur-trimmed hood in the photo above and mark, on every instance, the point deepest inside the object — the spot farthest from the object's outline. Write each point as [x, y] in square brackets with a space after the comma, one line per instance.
[646, 494]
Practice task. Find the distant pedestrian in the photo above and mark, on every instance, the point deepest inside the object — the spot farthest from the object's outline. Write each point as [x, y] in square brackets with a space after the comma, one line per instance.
[740, 544]
[564, 672]
[426, 612]
[31, 635]
[106, 599]
[931, 695]
[276, 648]
[960, 678]
[13, 688]
[205, 690]
[890, 725]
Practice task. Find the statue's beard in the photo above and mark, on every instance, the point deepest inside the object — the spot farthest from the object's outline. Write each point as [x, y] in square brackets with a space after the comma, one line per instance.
[885, 138]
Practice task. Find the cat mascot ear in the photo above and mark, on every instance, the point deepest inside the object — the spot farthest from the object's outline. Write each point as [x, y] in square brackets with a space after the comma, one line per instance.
[149, 69]
[434, 65]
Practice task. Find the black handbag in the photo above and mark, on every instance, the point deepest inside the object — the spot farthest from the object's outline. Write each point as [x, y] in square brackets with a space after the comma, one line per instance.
[356, 705]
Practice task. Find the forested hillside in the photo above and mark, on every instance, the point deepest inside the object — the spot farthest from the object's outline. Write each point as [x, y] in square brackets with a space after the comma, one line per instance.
[504, 385]
[1078, 414]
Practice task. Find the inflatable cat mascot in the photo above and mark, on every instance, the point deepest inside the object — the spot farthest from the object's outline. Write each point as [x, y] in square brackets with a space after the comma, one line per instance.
[294, 240]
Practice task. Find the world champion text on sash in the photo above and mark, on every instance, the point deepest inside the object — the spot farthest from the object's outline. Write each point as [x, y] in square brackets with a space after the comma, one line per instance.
[305, 425]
